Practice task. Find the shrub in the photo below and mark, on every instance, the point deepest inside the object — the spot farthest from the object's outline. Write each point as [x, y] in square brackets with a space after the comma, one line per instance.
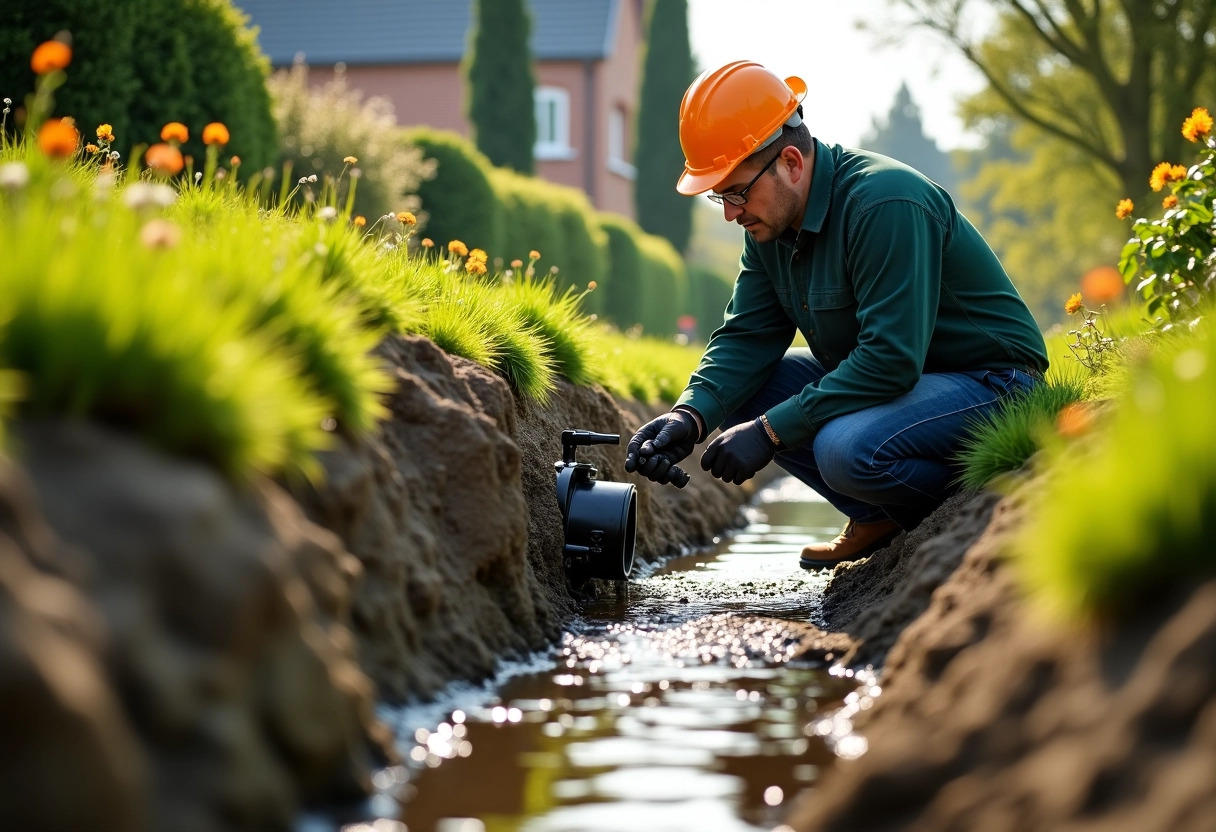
[102, 82]
[1129, 517]
[459, 199]
[1175, 256]
[621, 291]
[529, 220]
[320, 127]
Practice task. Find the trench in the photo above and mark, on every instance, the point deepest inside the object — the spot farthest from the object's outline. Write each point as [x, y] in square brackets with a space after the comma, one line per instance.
[673, 703]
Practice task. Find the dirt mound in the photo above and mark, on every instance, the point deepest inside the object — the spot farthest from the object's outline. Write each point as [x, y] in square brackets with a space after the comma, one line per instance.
[451, 509]
[993, 718]
[212, 682]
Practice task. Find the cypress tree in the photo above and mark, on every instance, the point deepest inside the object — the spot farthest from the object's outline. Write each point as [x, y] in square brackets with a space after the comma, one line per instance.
[501, 84]
[667, 70]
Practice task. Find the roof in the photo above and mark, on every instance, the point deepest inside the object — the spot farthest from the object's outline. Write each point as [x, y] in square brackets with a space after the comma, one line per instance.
[419, 31]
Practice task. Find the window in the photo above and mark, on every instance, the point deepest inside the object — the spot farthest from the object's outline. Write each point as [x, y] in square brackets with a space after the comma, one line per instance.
[553, 124]
[618, 143]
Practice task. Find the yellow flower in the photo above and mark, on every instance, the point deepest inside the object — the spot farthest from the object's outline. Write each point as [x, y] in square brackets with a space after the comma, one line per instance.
[475, 266]
[1073, 305]
[1169, 202]
[427, 242]
[50, 56]
[350, 160]
[174, 131]
[1124, 209]
[91, 148]
[458, 248]
[1198, 124]
[534, 254]
[58, 138]
[105, 133]
[215, 133]
[478, 254]
[406, 218]
[516, 264]
[360, 221]
[1160, 175]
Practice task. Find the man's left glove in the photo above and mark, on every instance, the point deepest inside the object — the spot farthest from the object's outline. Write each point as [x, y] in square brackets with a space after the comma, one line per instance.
[737, 454]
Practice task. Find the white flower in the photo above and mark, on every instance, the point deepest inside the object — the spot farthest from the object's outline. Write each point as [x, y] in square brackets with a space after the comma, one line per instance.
[329, 213]
[198, 176]
[114, 155]
[14, 175]
[303, 180]
[312, 178]
[146, 195]
[8, 101]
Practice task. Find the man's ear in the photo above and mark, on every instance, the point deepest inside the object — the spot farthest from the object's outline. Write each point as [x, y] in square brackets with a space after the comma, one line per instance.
[794, 163]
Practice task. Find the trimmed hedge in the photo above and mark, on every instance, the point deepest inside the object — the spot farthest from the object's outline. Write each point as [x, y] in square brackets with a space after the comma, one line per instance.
[665, 285]
[622, 292]
[139, 64]
[459, 199]
[709, 292]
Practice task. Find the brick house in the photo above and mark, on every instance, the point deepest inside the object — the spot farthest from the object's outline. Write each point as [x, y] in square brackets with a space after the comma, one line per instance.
[586, 55]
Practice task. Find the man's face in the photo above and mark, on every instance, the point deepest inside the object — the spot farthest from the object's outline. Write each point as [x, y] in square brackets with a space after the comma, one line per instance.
[772, 203]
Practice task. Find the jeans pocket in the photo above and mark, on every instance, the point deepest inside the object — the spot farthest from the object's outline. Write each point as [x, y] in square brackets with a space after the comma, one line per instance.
[1003, 382]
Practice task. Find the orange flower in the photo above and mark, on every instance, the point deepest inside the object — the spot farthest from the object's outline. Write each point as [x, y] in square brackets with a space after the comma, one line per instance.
[105, 132]
[478, 254]
[360, 221]
[235, 161]
[1124, 209]
[534, 254]
[1073, 305]
[215, 133]
[92, 148]
[1102, 284]
[50, 56]
[58, 138]
[516, 264]
[458, 248]
[174, 131]
[406, 218]
[1160, 175]
[427, 242]
[475, 266]
[1169, 202]
[164, 159]
[1198, 124]
[1074, 420]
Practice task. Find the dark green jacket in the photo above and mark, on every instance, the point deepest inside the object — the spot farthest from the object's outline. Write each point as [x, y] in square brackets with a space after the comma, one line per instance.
[886, 280]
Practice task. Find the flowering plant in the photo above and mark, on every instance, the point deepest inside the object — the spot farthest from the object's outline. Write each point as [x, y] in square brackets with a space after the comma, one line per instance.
[1174, 255]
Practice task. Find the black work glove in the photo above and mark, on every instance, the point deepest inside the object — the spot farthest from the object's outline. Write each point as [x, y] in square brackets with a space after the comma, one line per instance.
[660, 444]
[737, 454]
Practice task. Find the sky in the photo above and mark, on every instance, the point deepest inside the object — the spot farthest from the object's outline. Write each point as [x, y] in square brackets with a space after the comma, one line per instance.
[852, 77]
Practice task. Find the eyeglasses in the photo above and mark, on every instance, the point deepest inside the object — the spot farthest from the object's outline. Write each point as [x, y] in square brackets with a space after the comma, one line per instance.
[740, 197]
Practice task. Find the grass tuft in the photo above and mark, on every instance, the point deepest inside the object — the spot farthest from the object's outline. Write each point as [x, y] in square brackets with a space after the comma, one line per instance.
[1004, 441]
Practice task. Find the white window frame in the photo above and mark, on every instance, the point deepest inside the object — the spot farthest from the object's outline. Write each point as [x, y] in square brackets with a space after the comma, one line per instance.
[552, 144]
[618, 141]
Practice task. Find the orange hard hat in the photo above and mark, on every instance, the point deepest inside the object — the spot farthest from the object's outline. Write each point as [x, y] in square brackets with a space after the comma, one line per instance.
[729, 113]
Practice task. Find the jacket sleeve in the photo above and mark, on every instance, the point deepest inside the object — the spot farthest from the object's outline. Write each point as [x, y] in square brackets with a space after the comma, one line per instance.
[743, 352]
[894, 255]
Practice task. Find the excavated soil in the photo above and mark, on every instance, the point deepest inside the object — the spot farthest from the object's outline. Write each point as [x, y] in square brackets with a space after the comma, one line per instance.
[994, 717]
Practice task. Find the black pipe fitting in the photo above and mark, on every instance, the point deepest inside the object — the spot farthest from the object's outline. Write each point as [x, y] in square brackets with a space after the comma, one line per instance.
[600, 517]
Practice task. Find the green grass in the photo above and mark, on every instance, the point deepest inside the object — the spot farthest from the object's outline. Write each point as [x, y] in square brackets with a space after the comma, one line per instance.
[646, 369]
[1004, 442]
[1128, 518]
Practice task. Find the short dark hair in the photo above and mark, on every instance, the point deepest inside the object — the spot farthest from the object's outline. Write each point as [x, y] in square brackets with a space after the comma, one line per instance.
[799, 137]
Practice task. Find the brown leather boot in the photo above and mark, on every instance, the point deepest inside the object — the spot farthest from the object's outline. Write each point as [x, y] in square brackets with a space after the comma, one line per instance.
[857, 541]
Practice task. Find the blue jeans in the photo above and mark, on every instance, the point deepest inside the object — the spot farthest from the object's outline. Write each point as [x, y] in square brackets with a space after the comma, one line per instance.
[894, 460]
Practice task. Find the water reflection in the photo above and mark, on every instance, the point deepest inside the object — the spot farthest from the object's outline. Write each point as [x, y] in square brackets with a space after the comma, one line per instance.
[672, 707]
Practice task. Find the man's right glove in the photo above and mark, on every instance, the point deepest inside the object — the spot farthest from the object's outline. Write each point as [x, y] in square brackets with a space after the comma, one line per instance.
[660, 444]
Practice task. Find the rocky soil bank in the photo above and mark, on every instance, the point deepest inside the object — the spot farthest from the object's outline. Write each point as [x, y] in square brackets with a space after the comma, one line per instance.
[178, 652]
[995, 718]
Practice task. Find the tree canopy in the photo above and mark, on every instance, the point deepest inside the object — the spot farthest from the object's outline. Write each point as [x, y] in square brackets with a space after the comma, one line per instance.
[1110, 78]
[498, 67]
[667, 70]
[902, 136]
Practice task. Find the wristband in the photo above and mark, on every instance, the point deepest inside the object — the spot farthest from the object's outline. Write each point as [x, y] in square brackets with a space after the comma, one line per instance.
[768, 429]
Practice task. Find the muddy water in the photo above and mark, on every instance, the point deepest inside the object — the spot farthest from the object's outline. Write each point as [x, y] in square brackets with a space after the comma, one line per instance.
[671, 705]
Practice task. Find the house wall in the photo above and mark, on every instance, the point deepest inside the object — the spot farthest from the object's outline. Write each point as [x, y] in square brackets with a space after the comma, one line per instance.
[433, 94]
